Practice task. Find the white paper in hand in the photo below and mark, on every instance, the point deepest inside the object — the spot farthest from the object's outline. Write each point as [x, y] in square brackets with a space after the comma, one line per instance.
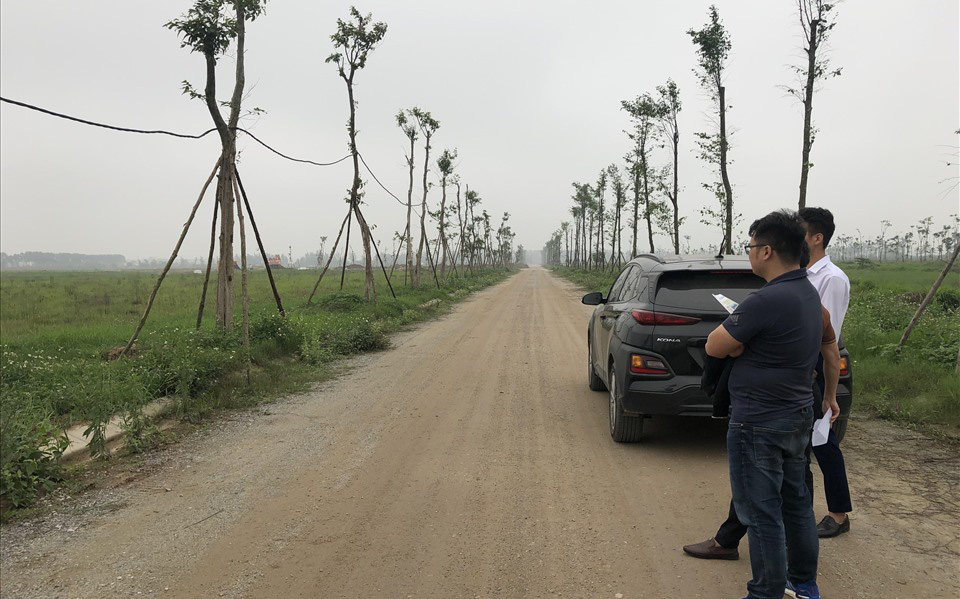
[821, 429]
[728, 304]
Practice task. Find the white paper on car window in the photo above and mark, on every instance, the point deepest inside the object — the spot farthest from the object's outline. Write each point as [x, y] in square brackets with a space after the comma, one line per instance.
[821, 429]
[728, 304]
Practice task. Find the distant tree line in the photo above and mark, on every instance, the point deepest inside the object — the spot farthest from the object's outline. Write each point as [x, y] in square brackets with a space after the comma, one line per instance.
[920, 242]
[61, 261]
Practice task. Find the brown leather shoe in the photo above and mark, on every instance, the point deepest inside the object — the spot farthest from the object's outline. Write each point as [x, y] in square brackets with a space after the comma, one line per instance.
[709, 549]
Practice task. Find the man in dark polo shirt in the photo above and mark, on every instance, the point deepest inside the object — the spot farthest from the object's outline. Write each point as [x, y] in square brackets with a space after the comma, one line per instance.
[775, 334]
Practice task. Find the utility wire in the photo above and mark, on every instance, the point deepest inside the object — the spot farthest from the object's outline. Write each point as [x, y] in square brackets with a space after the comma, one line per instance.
[205, 133]
[378, 180]
[162, 132]
[402, 203]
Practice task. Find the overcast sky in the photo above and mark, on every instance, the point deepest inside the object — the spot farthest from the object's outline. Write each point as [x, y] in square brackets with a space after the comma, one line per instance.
[528, 92]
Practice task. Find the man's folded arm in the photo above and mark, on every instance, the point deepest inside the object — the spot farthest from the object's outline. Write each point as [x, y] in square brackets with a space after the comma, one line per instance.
[721, 344]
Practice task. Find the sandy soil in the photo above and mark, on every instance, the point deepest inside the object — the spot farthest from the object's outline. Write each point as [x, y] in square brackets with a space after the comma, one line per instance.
[469, 461]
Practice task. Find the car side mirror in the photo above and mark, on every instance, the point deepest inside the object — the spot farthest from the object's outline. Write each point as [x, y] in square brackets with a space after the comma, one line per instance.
[593, 299]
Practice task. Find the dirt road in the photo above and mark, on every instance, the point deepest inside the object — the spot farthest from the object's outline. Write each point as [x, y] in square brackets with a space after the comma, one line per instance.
[469, 461]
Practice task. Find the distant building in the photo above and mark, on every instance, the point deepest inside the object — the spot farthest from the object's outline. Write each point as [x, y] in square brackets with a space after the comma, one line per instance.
[274, 261]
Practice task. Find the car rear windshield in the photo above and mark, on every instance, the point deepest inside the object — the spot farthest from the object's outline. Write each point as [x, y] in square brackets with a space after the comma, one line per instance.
[693, 290]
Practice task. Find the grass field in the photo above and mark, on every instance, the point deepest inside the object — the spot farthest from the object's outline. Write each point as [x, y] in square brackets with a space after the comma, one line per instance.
[918, 385]
[56, 327]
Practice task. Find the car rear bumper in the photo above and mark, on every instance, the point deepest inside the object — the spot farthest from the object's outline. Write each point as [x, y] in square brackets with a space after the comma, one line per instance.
[682, 396]
[678, 396]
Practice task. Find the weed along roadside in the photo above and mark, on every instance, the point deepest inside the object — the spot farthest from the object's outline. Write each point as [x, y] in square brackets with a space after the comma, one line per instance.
[917, 386]
[58, 370]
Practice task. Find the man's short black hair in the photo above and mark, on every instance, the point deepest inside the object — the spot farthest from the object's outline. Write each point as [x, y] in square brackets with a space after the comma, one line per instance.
[783, 231]
[819, 220]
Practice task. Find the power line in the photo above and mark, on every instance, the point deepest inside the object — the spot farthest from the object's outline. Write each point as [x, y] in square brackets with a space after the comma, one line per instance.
[163, 132]
[402, 203]
[378, 180]
[205, 133]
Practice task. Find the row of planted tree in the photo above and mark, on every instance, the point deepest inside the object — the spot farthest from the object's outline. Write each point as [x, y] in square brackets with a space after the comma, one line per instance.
[919, 243]
[465, 235]
[650, 194]
[462, 237]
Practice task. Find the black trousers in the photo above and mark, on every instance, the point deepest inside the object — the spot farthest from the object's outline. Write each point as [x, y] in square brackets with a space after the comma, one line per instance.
[835, 487]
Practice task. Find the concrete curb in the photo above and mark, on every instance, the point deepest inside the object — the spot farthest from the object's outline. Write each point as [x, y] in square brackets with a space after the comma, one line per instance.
[78, 449]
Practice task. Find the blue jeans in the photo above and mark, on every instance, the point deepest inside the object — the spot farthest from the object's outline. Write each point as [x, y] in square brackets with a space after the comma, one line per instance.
[767, 464]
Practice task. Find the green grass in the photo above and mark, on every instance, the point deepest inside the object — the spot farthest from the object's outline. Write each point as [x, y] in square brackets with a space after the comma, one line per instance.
[56, 327]
[917, 385]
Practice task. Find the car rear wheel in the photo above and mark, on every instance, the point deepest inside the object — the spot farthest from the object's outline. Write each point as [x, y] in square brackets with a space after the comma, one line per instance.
[624, 428]
[594, 381]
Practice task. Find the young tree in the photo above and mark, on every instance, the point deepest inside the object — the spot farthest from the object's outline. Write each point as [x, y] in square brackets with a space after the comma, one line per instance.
[445, 166]
[583, 204]
[354, 39]
[713, 48]
[591, 211]
[428, 126]
[459, 212]
[599, 191]
[411, 131]
[472, 243]
[619, 199]
[209, 28]
[923, 237]
[576, 212]
[668, 101]
[502, 252]
[816, 25]
[882, 252]
[715, 214]
[487, 239]
[644, 111]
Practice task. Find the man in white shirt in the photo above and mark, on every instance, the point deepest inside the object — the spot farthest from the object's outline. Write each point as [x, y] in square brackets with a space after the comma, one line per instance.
[834, 289]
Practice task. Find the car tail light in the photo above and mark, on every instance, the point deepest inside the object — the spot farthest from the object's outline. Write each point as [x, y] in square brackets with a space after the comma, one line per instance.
[844, 367]
[647, 365]
[650, 317]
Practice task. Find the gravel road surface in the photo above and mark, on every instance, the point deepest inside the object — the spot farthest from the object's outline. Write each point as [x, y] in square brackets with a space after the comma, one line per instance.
[469, 461]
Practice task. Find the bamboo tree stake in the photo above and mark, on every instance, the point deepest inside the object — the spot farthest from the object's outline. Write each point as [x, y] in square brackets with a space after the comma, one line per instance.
[206, 276]
[453, 260]
[263, 253]
[426, 242]
[926, 300]
[363, 223]
[346, 246]
[173, 256]
[329, 260]
[436, 257]
[244, 289]
[397, 255]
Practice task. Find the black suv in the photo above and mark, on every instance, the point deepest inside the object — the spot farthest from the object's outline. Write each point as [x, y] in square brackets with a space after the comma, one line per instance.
[645, 340]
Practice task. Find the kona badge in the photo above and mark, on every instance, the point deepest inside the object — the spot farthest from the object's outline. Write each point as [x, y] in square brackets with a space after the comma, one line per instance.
[668, 340]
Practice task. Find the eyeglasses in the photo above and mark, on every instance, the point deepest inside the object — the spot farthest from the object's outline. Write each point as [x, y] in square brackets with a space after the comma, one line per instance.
[747, 247]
